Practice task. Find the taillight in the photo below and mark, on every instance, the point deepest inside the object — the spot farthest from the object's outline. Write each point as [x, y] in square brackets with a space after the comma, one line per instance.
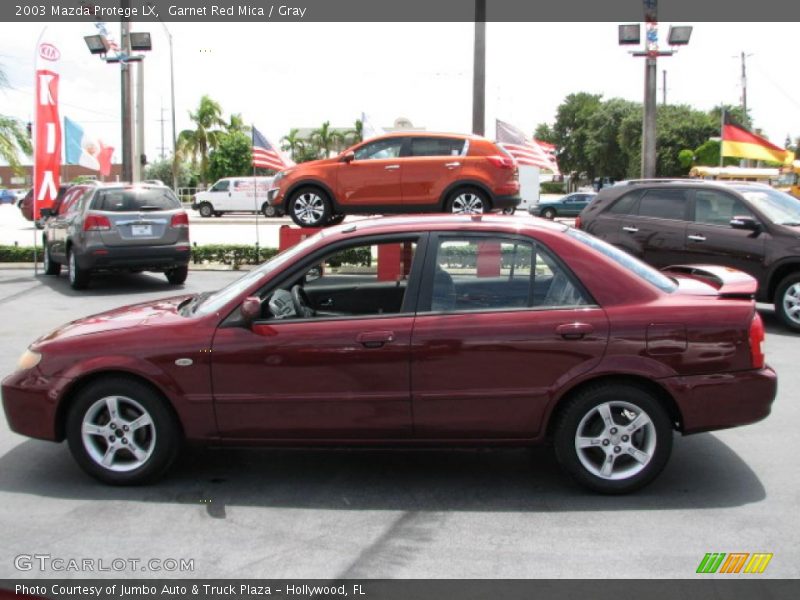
[96, 223]
[756, 341]
[180, 219]
[502, 162]
[578, 222]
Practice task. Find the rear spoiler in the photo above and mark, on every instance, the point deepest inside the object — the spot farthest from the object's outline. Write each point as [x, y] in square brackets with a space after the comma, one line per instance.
[729, 283]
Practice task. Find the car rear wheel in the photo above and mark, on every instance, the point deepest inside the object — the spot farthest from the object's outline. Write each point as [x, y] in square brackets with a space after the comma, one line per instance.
[121, 432]
[206, 210]
[549, 213]
[468, 201]
[177, 276]
[336, 219]
[613, 438]
[50, 267]
[78, 277]
[787, 301]
[310, 207]
[510, 211]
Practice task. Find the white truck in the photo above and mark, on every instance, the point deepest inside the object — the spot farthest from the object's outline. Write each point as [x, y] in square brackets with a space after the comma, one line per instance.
[235, 194]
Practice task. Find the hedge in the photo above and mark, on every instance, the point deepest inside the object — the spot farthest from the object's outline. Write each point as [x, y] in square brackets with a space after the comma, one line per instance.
[552, 187]
[18, 254]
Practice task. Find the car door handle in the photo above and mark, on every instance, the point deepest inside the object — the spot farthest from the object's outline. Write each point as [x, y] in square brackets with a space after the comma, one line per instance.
[452, 165]
[391, 167]
[375, 339]
[630, 229]
[574, 331]
[697, 238]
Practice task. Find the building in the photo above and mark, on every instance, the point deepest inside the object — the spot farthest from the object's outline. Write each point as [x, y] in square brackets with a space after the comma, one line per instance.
[10, 179]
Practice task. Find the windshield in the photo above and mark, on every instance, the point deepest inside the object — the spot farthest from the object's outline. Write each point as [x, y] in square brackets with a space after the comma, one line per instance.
[631, 263]
[778, 207]
[218, 299]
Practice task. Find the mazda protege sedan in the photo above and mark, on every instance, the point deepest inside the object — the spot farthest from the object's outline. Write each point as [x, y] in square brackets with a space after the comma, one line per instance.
[468, 330]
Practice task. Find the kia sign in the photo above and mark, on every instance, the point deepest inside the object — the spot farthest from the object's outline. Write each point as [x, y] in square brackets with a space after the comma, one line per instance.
[47, 141]
[49, 52]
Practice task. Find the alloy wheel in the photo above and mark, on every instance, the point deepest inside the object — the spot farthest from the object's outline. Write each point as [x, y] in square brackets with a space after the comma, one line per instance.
[791, 303]
[309, 208]
[118, 433]
[468, 203]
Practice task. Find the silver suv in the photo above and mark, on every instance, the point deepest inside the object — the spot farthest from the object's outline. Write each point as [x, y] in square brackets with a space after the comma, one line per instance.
[118, 227]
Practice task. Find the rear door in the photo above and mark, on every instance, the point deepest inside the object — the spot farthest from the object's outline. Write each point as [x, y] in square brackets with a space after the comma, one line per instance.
[433, 164]
[655, 231]
[500, 322]
[138, 216]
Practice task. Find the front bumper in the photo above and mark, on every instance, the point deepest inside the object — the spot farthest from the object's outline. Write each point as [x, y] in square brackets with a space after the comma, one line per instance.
[155, 258]
[30, 402]
[709, 402]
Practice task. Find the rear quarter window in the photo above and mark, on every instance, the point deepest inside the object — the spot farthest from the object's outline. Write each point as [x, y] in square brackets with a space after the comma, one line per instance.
[132, 200]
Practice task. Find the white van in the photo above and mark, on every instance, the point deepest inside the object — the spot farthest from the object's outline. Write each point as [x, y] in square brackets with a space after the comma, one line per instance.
[235, 194]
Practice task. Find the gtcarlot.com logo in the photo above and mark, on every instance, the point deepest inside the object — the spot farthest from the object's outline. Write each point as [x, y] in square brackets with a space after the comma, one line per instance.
[734, 562]
[48, 562]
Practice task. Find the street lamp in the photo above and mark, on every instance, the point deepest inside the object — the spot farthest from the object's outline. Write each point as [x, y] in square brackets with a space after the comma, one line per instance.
[100, 45]
[629, 34]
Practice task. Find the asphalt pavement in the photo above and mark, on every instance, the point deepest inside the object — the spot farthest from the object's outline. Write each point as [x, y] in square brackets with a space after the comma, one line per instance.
[330, 513]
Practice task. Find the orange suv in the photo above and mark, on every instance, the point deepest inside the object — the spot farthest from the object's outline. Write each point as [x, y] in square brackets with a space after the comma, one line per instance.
[400, 173]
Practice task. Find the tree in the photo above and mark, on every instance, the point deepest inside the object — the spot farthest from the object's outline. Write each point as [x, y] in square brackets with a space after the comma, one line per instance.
[326, 139]
[571, 131]
[14, 137]
[162, 170]
[603, 147]
[232, 156]
[293, 144]
[355, 135]
[544, 133]
[197, 143]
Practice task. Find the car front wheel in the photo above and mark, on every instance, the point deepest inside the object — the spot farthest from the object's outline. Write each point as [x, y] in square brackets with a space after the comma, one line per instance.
[310, 207]
[206, 210]
[787, 301]
[613, 438]
[121, 432]
[549, 213]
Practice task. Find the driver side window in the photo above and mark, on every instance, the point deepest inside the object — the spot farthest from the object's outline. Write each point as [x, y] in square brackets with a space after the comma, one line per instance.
[221, 186]
[356, 281]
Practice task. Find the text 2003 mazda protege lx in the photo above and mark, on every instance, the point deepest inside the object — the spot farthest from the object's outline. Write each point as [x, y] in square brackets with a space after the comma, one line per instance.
[435, 330]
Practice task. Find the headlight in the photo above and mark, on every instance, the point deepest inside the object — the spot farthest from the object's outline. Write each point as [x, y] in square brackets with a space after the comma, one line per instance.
[28, 360]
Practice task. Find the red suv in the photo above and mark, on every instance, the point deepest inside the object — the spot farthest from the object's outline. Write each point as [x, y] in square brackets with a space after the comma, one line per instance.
[400, 173]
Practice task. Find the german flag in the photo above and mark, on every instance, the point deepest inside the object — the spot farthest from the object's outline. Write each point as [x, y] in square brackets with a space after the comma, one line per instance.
[741, 143]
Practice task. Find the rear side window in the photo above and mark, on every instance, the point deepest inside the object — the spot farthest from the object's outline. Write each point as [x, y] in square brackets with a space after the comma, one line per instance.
[663, 204]
[422, 146]
[132, 200]
[624, 206]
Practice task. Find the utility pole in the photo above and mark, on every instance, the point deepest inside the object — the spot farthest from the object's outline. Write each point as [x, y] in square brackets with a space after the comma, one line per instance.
[125, 94]
[139, 158]
[162, 120]
[664, 88]
[744, 90]
[479, 70]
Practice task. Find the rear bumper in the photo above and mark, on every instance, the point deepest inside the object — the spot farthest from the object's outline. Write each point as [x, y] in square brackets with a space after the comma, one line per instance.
[708, 402]
[136, 257]
[508, 201]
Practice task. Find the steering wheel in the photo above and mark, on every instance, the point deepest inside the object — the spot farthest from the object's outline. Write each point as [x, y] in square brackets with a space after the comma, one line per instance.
[302, 305]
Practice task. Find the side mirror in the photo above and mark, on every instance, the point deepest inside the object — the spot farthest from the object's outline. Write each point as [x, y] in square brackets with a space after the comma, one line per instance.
[46, 212]
[745, 222]
[348, 157]
[251, 309]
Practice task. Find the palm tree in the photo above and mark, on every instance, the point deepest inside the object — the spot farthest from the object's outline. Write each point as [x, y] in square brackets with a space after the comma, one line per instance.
[326, 138]
[355, 135]
[293, 144]
[236, 124]
[13, 135]
[197, 143]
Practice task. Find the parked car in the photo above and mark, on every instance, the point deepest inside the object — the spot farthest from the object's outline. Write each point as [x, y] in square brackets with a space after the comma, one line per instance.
[568, 206]
[746, 226]
[7, 197]
[117, 227]
[411, 331]
[408, 172]
[26, 205]
[235, 194]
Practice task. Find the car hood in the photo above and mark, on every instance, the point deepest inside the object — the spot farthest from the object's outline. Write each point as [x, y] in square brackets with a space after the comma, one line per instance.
[134, 315]
[315, 163]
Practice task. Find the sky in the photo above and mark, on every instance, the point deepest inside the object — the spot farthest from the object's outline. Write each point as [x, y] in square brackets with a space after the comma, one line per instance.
[285, 75]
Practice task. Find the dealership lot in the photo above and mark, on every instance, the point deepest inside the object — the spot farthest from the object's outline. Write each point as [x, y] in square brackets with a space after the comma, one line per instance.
[390, 513]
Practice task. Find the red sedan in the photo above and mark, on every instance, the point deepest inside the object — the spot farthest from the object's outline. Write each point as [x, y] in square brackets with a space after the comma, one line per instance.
[429, 330]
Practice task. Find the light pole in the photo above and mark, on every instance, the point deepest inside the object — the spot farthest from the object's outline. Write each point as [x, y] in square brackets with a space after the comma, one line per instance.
[629, 34]
[172, 103]
[479, 70]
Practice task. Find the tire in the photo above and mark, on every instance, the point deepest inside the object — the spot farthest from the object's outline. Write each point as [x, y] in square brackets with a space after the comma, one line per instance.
[787, 301]
[50, 267]
[607, 463]
[205, 210]
[269, 211]
[467, 201]
[549, 213]
[336, 219]
[39, 224]
[90, 425]
[78, 277]
[178, 275]
[310, 207]
[218, 213]
[510, 211]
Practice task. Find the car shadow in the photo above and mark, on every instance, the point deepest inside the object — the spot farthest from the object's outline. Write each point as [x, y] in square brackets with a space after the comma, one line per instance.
[772, 324]
[703, 473]
[112, 284]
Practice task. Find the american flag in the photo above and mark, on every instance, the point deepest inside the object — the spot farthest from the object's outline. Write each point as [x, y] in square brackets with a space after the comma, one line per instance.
[526, 152]
[266, 156]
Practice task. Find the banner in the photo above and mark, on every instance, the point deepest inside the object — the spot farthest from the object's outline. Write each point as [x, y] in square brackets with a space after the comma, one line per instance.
[741, 143]
[85, 150]
[47, 140]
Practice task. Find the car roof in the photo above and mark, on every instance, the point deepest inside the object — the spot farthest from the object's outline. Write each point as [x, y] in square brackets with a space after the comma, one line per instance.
[623, 187]
[442, 134]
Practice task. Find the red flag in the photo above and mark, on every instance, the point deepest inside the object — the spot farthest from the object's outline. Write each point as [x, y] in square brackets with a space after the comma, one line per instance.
[47, 142]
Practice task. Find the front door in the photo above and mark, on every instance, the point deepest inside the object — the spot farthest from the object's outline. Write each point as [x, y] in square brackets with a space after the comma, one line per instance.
[373, 177]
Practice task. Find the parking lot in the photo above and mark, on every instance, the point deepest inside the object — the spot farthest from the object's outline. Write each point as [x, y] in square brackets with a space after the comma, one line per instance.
[326, 513]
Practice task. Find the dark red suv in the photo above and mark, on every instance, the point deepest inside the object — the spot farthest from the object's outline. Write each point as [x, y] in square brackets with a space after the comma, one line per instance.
[404, 172]
[747, 226]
